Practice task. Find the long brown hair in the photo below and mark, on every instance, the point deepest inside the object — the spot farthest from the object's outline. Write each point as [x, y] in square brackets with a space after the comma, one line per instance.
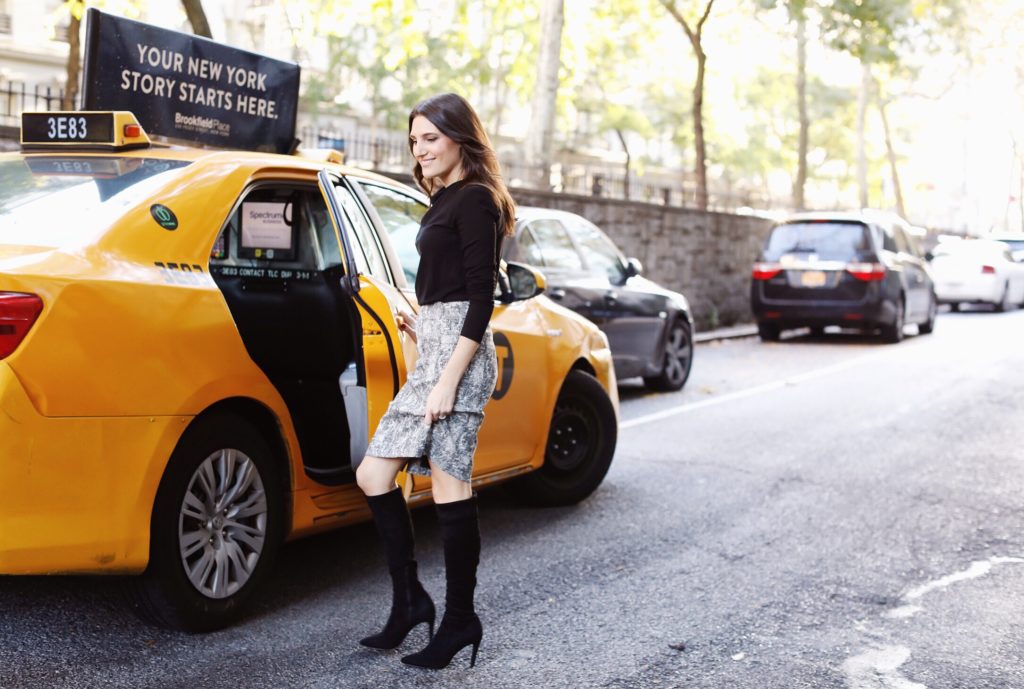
[455, 118]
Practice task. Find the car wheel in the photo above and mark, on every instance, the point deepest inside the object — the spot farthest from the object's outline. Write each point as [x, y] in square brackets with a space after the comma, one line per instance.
[893, 332]
[954, 306]
[817, 330]
[581, 442]
[1004, 303]
[217, 523]
[768, 332]
[677, 362]
[928, 326]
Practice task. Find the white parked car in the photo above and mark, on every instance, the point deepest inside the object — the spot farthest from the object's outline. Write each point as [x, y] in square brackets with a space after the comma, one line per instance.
[977, 271]
[1015, 242]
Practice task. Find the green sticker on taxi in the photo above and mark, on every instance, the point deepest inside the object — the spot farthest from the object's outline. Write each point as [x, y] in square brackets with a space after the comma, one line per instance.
[164, 216]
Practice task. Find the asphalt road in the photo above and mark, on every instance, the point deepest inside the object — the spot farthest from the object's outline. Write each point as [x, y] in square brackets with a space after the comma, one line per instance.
[820, 512]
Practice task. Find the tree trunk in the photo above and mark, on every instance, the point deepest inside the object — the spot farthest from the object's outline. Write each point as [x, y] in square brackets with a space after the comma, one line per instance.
[545, 93]
[890, 152]
[69, 102]
[862, 155]
[700, 165]
[801, 95]
[197, 17]
[1020, 194]
[694, 34]
[625, 181]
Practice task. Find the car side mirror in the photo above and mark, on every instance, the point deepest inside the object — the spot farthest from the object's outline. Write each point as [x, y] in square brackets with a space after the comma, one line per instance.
[524, 281]
[633, 267]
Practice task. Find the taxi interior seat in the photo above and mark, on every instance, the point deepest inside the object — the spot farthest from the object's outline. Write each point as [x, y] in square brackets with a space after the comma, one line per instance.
[298, 326]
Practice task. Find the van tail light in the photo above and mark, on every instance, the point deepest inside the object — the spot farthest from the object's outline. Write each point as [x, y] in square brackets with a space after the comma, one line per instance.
[766, 271]
[988, 270]
[18, 312]
[867, 272]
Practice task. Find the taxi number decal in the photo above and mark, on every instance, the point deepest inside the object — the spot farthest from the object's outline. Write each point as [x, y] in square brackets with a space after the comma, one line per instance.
[506, 365]
[62, 128]
[264, 273]
[181, 273]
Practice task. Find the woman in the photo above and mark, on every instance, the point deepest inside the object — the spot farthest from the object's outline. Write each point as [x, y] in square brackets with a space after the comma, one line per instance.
[432, 423]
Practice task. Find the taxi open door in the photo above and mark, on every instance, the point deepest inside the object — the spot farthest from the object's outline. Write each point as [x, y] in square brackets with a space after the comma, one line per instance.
[369, 385]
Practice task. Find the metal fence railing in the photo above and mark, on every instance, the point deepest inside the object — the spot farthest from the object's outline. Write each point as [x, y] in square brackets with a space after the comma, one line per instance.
[18, 97]
[389, 153]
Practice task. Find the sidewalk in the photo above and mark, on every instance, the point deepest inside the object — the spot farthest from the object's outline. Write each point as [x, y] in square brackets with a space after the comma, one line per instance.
[748, 330]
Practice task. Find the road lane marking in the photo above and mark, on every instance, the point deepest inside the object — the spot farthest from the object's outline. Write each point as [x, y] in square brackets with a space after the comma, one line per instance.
[750, 392]
[879, 668]
[978, 568]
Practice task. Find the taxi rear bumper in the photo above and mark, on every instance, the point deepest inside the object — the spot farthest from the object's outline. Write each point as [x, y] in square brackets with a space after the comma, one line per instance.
[76, 493]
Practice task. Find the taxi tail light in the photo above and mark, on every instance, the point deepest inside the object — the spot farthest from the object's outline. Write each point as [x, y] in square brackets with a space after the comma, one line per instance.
[867, 272]
[18, 312]
[988, 270]
[766, 271]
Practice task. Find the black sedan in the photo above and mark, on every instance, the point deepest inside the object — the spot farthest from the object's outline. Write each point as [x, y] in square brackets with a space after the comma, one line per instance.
[649, 328]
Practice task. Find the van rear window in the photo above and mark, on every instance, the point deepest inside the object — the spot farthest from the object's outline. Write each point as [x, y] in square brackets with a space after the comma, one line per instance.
[827, 241]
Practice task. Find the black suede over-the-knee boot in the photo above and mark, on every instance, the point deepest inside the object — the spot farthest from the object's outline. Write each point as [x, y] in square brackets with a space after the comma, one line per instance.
[460, 626]
[410, 603]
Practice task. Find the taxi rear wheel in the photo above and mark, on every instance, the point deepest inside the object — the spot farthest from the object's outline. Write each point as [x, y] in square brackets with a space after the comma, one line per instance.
[581, 442]
[216, 527]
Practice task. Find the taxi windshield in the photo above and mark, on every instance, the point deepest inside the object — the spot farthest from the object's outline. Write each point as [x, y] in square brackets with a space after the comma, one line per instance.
[53, 201]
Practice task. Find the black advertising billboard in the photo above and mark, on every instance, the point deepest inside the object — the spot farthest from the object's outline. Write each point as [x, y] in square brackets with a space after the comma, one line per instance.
[188, 87]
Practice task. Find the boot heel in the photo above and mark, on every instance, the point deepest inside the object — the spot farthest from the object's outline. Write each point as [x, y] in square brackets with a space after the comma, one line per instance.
[472, 660]
[431, 623]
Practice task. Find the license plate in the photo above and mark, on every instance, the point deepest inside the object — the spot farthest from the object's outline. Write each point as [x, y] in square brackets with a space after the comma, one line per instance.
[812, 278]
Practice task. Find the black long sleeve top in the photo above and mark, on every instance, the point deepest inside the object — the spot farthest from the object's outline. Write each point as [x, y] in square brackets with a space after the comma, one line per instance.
[460, 244]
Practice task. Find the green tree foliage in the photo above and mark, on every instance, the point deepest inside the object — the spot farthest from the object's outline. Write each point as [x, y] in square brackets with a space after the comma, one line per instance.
[770, 142]
[395, 54]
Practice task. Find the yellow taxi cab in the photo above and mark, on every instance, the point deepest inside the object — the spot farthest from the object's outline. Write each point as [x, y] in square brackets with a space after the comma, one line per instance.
[196, 345]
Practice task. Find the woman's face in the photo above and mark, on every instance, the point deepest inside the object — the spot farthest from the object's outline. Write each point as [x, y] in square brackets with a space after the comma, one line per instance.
[439, 157]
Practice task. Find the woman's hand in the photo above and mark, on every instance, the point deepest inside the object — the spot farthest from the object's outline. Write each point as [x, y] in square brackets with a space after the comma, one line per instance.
[407, 324]
[440, 402]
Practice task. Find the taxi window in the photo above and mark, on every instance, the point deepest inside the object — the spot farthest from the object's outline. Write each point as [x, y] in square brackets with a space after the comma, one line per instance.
[279, 228]
[370, 256]
[55, 201]
[401, 215]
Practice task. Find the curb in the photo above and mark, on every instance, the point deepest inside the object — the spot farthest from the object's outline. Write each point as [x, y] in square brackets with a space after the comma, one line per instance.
[726, 333]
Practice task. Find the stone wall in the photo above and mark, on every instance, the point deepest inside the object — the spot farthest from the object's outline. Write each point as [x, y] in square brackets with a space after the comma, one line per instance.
[706, 256]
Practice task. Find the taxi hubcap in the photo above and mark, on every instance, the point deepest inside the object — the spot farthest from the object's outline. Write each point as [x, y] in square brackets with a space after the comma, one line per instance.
[568, 443]
[677, 355]
[223, 523]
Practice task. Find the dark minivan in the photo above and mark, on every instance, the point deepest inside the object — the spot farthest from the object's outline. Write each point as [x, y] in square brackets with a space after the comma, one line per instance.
[853, 270]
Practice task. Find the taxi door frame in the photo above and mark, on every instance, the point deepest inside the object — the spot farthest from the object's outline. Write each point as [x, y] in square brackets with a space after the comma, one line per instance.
[363, 394]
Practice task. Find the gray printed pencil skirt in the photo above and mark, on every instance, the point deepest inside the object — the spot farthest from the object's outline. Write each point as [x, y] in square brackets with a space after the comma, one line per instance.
[450, 442]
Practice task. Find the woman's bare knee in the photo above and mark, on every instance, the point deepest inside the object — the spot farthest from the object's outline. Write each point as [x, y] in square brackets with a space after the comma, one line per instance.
[376, 475]
[446, 488]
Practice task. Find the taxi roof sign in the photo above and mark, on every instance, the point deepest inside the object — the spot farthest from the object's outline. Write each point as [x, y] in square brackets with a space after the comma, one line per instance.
[95, 130]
